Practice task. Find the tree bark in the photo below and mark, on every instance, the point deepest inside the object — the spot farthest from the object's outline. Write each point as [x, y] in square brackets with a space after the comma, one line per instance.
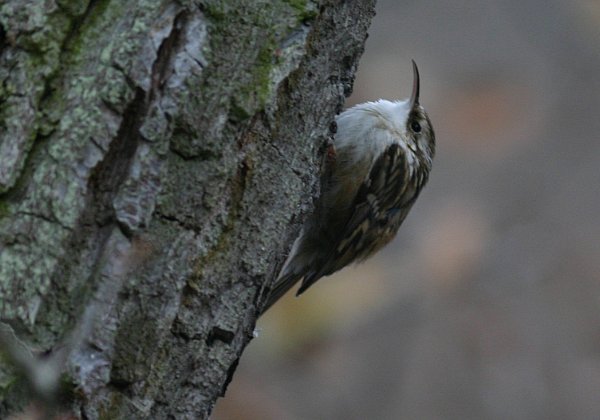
[156, 161]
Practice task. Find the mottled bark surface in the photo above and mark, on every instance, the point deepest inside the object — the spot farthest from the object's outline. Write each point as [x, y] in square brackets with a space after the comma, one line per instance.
[156, 160]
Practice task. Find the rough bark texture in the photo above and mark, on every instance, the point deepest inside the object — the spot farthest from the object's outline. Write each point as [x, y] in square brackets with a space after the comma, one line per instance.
[156, 161]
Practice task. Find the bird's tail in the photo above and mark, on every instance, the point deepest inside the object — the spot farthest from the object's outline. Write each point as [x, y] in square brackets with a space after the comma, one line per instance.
[281, 287]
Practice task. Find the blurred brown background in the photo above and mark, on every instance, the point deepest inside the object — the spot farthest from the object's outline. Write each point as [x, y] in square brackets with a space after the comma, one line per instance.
[487, 305]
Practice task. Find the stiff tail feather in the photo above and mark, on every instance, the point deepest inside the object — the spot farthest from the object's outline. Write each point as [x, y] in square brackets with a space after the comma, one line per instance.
[281, 287]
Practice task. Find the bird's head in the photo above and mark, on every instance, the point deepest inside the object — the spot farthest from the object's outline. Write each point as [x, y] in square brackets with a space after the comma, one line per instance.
[367, 129]
[416, 124]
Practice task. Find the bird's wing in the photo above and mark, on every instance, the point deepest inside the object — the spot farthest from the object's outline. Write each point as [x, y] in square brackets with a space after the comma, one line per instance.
[380, 205]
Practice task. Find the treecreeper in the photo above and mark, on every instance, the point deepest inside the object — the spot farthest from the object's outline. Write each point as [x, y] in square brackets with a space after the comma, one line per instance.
[380, 160]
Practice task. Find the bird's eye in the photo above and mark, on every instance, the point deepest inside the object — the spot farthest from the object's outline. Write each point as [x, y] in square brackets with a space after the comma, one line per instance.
[415, 126]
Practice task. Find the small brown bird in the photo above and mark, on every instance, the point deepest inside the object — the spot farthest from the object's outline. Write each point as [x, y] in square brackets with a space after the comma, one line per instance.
[383, 156]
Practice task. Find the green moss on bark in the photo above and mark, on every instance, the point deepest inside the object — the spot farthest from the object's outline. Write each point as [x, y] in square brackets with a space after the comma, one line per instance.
[174, 154]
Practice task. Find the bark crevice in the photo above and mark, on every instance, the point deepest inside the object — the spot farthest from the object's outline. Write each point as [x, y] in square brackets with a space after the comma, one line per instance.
[176, 149]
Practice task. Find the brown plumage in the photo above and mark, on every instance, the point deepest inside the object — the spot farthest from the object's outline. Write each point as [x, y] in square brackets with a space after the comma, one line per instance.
[384, 152]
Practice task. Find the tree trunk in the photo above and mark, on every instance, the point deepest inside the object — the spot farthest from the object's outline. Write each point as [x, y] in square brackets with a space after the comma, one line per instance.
[156, 161]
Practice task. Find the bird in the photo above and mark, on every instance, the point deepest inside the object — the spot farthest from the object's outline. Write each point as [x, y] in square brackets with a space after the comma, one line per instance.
[381, 157]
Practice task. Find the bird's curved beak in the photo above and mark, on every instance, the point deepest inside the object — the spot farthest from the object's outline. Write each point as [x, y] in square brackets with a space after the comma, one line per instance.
[414, 98]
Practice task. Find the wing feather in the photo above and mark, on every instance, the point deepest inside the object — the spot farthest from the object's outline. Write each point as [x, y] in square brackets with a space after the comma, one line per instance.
[379, 207]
